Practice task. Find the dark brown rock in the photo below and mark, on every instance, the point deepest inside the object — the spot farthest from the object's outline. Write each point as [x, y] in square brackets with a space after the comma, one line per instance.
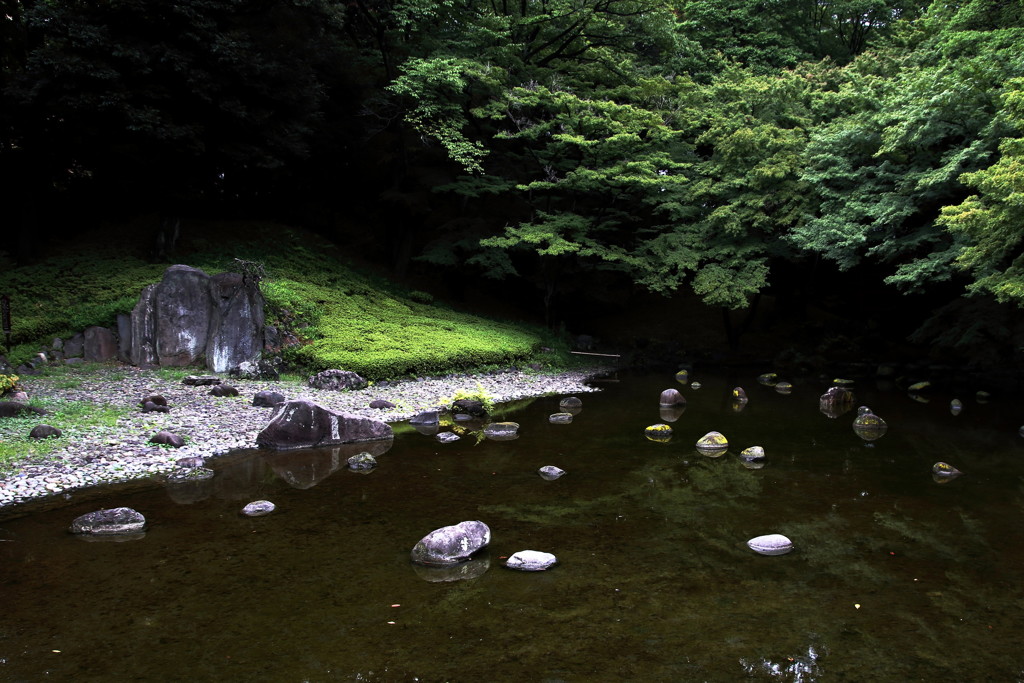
[44, 432]
[337, 380]
[300, 423]
[18, 409]
[100, 344]
[267, 399]
[167, 439]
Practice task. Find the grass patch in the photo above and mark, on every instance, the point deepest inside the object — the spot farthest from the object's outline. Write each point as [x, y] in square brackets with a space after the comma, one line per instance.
[74, 418]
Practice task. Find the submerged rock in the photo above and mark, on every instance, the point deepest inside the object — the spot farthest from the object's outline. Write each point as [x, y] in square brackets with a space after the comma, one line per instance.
[362, 462]
[531, 561]
[671, 397]
[427, 417]
[753, 454]
[550, 472]
[451, 544]
[502, 431]
[683, 376]
[258, 508]
[661, 433]
[570, 402]
[713, 445]
[770, 544]
[739, 395]
[712, 441]
[869, 426]
[945, 470]
[447, 437]
[768, 379]
[956, 406]
[835, 401]
[109, 521]
[560, 418]
[784, 388]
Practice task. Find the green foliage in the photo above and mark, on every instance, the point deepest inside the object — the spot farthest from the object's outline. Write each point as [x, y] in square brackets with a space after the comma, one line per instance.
[478, 394]
[904, 127]
[7, 382]
[992, 221]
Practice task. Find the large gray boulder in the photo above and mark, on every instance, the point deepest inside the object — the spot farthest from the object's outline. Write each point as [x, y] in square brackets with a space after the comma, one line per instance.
[236, 323]
[183, 308]
[190, 318]
[142, 347]
[451, 544]
[300, 423]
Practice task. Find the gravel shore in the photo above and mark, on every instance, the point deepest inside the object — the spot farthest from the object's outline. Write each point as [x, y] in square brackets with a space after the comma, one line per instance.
[214, 426]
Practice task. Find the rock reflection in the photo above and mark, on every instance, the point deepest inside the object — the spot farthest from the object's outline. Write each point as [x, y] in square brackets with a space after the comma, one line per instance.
[472, 569]
[800, 667]
[671, 413]
[304, 469]
[189, 491]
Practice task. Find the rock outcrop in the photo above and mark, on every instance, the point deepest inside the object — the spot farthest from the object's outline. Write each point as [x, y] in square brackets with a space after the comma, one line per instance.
[190, 318]
[300, 423]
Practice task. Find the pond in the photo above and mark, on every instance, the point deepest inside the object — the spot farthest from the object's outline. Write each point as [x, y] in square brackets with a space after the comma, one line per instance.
[894, 576]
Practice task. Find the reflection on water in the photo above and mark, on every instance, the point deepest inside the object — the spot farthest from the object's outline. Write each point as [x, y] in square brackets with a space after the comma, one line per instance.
[893, 577]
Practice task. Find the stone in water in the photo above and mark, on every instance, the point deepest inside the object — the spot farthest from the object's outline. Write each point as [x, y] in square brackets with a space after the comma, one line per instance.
[661, 433]
[531, 561]
[771, 544]
[109, 522]
[258, 508]
[550, 472]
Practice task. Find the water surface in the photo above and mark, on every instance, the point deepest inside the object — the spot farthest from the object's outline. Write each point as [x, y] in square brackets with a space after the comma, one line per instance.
[894, 578]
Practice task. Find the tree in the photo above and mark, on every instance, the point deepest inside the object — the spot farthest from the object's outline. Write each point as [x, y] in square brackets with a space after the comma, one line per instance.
[902, 128]
[992, 221]
[171, 100]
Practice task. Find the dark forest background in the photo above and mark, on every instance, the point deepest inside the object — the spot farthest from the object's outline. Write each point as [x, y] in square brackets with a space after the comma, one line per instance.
[842, 176]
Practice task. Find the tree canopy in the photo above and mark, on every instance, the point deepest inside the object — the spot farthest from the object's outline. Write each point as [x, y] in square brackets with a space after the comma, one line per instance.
[694, 145]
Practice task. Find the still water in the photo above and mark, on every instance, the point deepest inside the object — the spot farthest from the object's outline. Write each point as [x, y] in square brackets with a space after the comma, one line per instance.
[894, 577]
